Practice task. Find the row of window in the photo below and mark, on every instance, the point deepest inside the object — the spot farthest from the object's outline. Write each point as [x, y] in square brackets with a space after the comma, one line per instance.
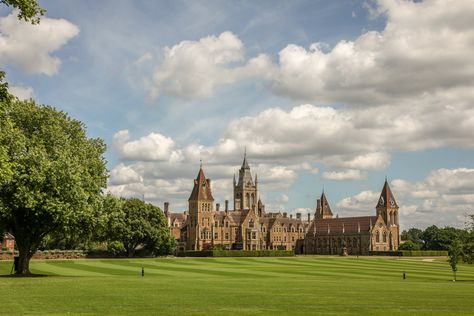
[379, 234]
[279, 229]
[349, 242]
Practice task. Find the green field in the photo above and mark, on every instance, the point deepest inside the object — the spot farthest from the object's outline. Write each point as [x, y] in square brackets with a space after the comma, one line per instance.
[243, 286]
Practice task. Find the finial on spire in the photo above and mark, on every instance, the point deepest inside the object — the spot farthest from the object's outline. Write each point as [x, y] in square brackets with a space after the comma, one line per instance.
[200, 165]
[385, 178]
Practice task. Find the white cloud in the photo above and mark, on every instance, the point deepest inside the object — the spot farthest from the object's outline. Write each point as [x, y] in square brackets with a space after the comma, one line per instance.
[195, 68]
[148, 148]
[22, 92]
[31, 46]
[350, 174]
[360, 203]
[122, 174]
[423, 48]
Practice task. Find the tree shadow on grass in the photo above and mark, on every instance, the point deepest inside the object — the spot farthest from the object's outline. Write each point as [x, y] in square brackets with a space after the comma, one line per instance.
[31, 275]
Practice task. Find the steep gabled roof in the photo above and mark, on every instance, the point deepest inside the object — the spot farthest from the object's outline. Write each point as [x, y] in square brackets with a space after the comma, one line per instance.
[386, 198]
[346, 225]
[202, 188]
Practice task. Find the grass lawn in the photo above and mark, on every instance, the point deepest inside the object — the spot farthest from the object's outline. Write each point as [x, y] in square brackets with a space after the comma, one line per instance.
[244, 286]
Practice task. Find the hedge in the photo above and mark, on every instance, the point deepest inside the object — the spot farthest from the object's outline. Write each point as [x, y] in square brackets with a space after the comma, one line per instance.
[411, 253]
[237, 253]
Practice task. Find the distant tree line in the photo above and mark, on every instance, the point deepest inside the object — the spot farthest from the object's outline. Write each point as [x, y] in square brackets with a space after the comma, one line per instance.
[458, 242]
[121, 227]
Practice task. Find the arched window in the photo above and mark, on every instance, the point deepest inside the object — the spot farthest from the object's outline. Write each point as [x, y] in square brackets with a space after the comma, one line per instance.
[377, 236]
[384, 237]
[252, 200]
[247, 201]
[251, 223]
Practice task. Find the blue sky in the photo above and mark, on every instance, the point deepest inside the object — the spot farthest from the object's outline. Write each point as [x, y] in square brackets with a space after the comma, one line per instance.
[333, 94]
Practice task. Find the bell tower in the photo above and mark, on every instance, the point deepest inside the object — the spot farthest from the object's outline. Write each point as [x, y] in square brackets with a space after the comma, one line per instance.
[246, 189]
[200, 219]
[387, 207]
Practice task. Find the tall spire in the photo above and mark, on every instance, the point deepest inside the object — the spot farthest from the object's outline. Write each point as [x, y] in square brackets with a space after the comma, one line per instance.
[386, 199]
[202, 188]
[245, 164]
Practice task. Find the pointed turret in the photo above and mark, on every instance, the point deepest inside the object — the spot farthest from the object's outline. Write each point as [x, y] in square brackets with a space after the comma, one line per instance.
[202, 188]
[323, 210]
[245, 164]
[245, 191]
[386, 198]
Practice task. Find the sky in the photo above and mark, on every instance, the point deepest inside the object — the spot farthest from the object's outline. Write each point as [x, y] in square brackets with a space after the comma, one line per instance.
[333, 95]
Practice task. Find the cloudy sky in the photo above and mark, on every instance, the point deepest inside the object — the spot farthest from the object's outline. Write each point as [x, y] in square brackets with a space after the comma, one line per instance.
[323, 94]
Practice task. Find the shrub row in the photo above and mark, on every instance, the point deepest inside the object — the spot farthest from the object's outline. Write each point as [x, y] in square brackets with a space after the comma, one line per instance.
[411, 253]
[237, 253]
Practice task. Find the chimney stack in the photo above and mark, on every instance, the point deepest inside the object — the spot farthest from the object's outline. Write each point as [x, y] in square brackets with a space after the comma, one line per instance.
[167, 205]
[291, 215]
[285, 214]
[226, 205]
[309, 217]
[298, 215]
[217, 207]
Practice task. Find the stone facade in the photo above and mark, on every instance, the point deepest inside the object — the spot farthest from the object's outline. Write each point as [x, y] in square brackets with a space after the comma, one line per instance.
[249, 226]
[355, 235]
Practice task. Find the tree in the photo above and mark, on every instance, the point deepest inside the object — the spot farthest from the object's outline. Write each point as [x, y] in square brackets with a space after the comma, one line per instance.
[57, 174]
[454, 252]
[28, 10]
[435, 238]
[409, 245]
[413, 235]
[136, 223]
[468, 249]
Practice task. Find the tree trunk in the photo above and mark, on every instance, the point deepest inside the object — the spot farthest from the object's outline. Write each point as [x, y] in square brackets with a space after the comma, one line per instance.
[24, 263]
[131, 251]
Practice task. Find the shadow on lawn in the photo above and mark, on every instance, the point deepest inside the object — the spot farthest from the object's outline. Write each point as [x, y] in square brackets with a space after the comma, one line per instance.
[31, 275]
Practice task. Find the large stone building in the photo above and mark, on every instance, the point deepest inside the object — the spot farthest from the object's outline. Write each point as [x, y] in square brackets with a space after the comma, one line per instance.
[249, 226]
[354, 235]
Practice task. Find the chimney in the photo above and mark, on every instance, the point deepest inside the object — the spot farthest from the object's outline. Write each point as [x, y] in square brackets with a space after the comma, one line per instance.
[284, 214]
[167, 205]
[298, 215]
[226, 205]
[217, 207]
[309, 217]
[291, 215]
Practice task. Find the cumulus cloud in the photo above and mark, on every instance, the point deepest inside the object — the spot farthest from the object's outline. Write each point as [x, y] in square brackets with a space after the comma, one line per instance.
[22, 92]
[195, 68]
[444, 197]
[154, 146]
[423, 48]
[350, 174]
[30, 47]
[122, 174]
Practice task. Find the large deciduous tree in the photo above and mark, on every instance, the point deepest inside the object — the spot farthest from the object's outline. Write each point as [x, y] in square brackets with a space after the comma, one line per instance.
[136, 223]
[56, 174]
[28, 10]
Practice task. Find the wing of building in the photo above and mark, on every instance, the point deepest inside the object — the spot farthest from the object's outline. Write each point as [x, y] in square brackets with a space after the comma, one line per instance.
[250, 226]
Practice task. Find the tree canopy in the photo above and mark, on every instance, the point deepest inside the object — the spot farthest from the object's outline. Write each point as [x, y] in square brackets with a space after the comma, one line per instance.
[134, 223]
[28, 10]
[56, 174]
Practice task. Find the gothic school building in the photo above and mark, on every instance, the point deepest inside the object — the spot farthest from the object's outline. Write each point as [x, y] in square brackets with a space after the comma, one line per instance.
[249, 226]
